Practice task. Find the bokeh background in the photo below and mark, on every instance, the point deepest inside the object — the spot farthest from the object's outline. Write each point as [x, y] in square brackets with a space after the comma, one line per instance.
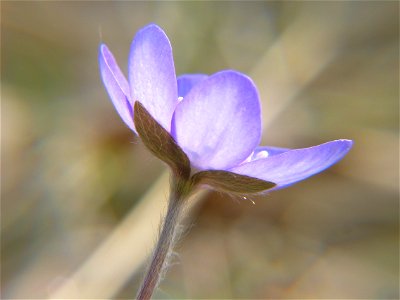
[82, 198]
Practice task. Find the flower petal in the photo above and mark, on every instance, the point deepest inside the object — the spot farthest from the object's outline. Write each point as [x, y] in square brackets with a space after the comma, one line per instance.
[187, 81]
[295, 165]
[116, 85]
[218, 123]
[266, 151]
[152, 74]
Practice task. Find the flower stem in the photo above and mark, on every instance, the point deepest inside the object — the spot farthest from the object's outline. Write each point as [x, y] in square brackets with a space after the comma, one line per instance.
[166, 240]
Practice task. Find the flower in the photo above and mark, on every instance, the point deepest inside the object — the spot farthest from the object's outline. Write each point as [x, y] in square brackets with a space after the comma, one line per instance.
[214, 121]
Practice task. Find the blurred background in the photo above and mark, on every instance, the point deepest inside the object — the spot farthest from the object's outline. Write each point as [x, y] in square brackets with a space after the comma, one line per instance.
[82, 198]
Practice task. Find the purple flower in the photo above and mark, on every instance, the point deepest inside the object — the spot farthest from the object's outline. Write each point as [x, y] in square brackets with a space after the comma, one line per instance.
[215, 120]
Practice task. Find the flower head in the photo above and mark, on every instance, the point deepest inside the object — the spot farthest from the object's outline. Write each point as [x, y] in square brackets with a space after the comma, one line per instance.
[209, 126]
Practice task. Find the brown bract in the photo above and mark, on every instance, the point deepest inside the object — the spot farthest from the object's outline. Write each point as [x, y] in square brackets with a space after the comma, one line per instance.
[231, 182]
[160, 142]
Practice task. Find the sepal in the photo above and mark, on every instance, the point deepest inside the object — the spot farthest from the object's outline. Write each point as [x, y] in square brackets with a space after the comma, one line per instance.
[231, 182]
[160, 142]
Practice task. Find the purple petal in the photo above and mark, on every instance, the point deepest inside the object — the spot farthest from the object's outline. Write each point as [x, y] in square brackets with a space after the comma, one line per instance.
[187, 81]
[264, 152]
[116, 85]
[295, 165]
[152, 74]
[218, 123]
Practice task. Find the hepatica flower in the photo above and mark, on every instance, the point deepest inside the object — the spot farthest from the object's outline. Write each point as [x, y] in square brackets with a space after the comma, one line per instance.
[206, 128]
[215, 120]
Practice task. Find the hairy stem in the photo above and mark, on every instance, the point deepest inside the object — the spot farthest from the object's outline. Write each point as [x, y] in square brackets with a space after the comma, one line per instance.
[165, 241]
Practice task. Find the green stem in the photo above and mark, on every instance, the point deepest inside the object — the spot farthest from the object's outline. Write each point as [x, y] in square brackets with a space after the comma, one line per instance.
[165, 241]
